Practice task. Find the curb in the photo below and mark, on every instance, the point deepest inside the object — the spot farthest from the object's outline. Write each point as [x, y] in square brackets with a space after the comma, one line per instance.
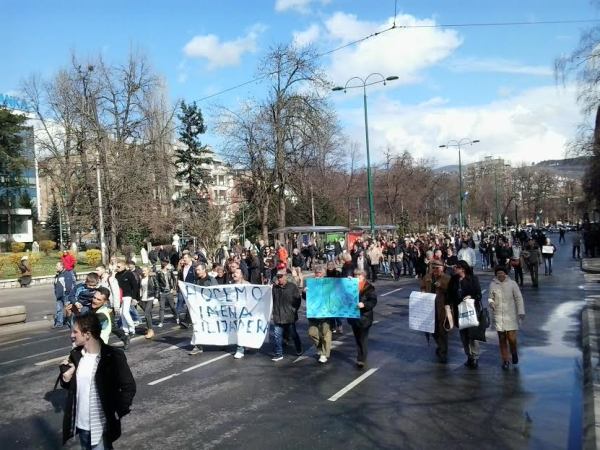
[589, 414]
[27, 326]
[586, 269]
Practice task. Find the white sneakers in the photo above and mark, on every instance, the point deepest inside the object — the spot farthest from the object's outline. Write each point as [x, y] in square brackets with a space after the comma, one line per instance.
[238, 355]
[322, 359]
[276, 358]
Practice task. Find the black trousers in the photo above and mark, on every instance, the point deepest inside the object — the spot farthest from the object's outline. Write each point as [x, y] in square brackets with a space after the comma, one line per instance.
[166, 297]
[361, 335]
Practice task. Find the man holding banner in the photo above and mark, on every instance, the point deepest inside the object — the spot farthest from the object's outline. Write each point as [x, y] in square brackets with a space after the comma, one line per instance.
[202, 279]
[360, 327]
[222, 315]
[286, 302]
[436, 282]
[319, 330]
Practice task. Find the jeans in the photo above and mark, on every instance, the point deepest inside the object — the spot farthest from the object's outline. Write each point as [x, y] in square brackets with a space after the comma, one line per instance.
[166, 297]
[134, 314]
[409, 266]
[576, 251]
[278, 330]
[181, 307]
[533, 271]
[85, 438]
[396, 269]
[148, 305]
[127, 321]
[548, 266]
[59, 316]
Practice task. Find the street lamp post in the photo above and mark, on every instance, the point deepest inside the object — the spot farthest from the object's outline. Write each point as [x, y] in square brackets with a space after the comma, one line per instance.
[364, 83]
[458, 144]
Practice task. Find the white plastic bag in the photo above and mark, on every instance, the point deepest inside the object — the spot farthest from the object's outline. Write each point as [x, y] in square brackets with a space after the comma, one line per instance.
[467, 314]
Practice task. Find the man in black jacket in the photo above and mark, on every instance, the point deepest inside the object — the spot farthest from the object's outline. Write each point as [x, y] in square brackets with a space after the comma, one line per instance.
[100, 384]
[286, 302]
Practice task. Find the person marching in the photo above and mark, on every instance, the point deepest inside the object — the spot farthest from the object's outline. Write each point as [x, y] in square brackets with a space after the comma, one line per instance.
[100, 386]
[464, 283]
[319, 330]
[360, 327]
[436, 282]
[507, 304]
[286, 302]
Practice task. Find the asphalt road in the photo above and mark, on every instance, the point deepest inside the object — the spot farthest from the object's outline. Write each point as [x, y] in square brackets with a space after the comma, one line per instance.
[404, 400]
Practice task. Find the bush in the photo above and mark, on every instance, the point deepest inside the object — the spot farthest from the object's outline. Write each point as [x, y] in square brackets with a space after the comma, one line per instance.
[17, 247]
[93, 257]
[46, 246]
[15, 259]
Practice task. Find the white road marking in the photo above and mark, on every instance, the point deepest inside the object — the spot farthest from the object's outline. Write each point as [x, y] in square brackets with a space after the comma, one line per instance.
[16, 340]
[313, 351]
[34, 356]
[50, 361]
[391, 292]
[350, 386]
[205, 363]
[174, 347]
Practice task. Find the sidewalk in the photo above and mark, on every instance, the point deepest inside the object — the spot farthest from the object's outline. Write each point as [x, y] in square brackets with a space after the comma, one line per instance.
[590, 336]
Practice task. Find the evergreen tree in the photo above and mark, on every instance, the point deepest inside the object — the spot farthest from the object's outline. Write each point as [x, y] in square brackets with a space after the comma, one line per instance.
[192, 158]
[12, 161]
[53, 222]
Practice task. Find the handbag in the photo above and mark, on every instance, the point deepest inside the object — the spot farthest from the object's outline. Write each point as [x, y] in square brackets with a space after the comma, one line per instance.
[467, 314]
[449, 319]
[478, 333]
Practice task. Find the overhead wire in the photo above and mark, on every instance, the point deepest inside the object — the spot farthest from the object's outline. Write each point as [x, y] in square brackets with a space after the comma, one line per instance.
[394, 27]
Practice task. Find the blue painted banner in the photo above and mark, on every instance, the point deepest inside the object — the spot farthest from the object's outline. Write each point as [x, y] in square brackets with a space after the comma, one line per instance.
[332, 297]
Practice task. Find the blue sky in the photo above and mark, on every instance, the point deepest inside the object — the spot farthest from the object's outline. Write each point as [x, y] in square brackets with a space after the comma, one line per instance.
[489, 83]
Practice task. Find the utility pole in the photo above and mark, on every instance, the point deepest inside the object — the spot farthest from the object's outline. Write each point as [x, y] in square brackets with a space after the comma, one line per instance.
[312, 205]
[100, 211]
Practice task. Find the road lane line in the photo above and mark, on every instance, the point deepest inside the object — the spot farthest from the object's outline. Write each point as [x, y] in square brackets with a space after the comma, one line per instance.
[391, 292]
[16, 340]
[313, 351]
[50, 361]
[356, 382]
[205, 363]
[34, 356]
[174, 347]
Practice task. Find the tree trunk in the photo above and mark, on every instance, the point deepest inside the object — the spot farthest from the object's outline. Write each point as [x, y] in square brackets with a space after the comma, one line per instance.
[264, 221]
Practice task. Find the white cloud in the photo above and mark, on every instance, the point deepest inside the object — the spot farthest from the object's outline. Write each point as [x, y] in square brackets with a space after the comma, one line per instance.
[498, 65]
[308, 36]
[222, 53]
[301, 6]
[533, 125]
[402, 52]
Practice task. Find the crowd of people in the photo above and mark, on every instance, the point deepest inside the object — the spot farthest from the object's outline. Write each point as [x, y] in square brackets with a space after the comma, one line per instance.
[119, 295]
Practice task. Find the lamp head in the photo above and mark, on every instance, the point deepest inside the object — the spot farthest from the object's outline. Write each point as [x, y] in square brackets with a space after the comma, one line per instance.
[338, 88]
[475, 141]
[391, 78]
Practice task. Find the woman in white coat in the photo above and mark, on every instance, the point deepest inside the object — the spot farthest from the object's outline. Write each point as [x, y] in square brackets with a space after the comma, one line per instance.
[506, 302]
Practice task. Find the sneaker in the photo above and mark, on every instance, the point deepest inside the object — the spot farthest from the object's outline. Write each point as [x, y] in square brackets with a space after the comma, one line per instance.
[322, 359]
[195, 350]
[240, 355]
[136, 323]
[360, 364]
[126, 341]
[160, 325]
[274, 358]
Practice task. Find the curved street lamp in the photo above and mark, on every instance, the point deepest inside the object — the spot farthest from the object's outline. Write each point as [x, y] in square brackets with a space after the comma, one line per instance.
[458, 144]
[363, 83]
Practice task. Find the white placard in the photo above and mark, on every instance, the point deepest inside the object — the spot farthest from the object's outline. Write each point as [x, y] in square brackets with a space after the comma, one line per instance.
[421, 311]
[229, 314]
[547, 249]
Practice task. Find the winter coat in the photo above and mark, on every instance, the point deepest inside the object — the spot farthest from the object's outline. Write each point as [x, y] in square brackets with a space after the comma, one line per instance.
[116, 389]
[367, 296]
[127, 283]
[286, 302]
[507, 304]
[427, 285]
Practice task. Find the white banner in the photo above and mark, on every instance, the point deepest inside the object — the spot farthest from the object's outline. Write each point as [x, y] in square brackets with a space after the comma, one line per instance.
[229, 314]
[421, 311]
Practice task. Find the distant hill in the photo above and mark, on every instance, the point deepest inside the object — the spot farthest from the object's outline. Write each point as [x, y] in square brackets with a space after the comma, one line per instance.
[570, 167]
